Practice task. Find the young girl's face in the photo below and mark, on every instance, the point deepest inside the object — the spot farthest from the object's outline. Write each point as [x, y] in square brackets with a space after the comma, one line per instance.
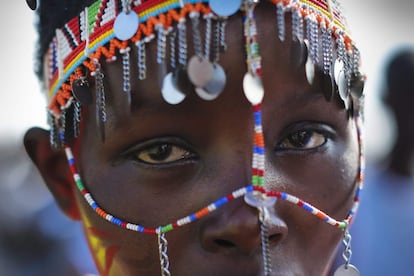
[161, 162]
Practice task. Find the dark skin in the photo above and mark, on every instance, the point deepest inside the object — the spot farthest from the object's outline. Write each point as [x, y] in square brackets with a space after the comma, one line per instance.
[162, 162]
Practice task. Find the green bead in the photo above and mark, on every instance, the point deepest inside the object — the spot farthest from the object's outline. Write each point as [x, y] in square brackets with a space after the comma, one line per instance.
[166, 228]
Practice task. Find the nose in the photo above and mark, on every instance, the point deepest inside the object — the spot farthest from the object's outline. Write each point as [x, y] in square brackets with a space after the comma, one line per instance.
[236, 230]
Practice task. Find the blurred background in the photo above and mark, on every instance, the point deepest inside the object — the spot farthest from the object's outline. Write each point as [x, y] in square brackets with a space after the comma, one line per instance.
[33, 233]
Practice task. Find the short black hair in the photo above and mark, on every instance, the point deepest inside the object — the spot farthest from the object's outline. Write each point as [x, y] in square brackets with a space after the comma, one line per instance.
[53, 14]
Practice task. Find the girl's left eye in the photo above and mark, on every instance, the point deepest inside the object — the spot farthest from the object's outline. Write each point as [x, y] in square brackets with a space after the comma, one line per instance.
[163, 153]
[303, 140]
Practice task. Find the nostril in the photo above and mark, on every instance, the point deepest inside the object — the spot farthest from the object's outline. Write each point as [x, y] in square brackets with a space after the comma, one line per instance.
[224, 243]
[275, 239]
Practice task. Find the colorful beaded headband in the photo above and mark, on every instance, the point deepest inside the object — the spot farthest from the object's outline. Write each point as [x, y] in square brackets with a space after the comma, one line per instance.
[109, 28]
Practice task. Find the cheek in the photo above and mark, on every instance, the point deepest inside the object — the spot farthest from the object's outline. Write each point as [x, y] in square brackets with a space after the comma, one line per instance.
[325, 179]
[115, 250]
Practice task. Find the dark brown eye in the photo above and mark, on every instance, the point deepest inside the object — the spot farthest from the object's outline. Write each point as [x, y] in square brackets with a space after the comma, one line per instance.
[163, 154]
[303, 139]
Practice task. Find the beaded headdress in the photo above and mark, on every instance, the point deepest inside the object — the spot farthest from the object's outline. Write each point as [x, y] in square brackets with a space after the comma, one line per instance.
[108, 29]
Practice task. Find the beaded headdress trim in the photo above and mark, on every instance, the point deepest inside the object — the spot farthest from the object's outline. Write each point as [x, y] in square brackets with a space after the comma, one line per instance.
[90, 36]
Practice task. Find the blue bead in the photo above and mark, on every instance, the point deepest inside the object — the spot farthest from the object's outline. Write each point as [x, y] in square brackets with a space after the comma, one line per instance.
[258, 150]
[117, 221]
[94, 206]
[307, 207]
[192, 217]
[221, 202]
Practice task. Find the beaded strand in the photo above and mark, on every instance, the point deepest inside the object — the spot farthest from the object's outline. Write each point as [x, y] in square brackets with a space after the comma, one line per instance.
[220, 202]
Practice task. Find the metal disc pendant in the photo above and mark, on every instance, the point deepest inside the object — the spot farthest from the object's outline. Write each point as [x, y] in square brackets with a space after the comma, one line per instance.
[205, 95]
[80, 90]
[342, 85]
[258, 199]
[299, 53]
[225, 8]
[126, 25]
[310, 71]
[169, 92]
[216, 85]
[327, 85]
[180, 79]
[357, 85]
[253, 88]
[338, 67]
[200, 71]
[347, 270]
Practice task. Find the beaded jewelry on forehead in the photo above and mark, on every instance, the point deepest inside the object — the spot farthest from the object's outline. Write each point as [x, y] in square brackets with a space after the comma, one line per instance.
[109, 28]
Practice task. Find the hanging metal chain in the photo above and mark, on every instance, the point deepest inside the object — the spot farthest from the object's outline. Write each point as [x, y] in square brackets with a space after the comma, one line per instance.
[126, 6]
[182, 43]
[126, 70]
[54, 139]
[173, 54]
[100, 99]
[164, 261]
[280, 15]
[347, 253]
[327, 47]
[141, 60]
[77, 111]
[198, 47]
[208, 35]
[267, 263]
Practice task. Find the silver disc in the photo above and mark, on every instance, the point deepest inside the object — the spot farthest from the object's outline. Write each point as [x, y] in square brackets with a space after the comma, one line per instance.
[169, 92]
[200, 71]
[253, 88]
[225, 7]
[357, 85]
[327, 85]
[81, 91]
[217, 83]
[347, 270]
[203, 94]
[299, 52]
[310, 71]
[257, 199]
[338, 67]
[126, 25]
[342, 85]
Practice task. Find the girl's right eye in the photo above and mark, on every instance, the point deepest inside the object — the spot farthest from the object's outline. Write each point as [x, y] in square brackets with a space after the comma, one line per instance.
[303, 140]
[163, 154]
